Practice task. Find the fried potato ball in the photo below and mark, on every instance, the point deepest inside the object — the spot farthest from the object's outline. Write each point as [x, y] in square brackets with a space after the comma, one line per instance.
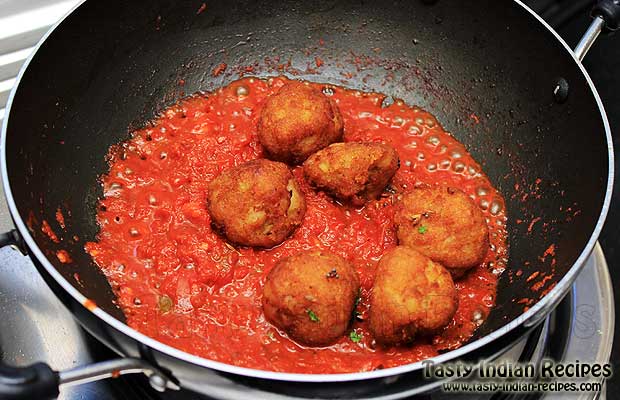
[352, 172]
[412, 295]
[257, 203]
[444, 224]
[311, 296]
[297, 121]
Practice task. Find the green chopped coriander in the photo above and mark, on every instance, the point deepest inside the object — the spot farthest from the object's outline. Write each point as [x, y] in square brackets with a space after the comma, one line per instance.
[422, 229]
[355, 337]
[312, 315]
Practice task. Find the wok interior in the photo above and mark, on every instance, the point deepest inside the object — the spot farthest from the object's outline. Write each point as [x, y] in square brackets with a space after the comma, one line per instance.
[113, 65]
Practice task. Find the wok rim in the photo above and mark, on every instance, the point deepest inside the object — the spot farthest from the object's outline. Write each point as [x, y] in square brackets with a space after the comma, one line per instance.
[541, 307]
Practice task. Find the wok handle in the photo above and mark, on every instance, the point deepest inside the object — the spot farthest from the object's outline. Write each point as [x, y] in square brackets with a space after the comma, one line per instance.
[588, 39]
[40, 381]
[115, 368]
[606, 15]
[608, 10]
[36, 381]
[13, 238]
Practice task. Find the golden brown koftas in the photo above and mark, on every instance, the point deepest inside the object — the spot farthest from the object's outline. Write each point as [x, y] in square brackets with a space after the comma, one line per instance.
[297, 121]
[311, 296]
[411, 295]
[444, 224]
[257, 203]
[352, 172]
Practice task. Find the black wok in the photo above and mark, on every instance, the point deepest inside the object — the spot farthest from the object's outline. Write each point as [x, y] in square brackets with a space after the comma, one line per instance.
[110, 66]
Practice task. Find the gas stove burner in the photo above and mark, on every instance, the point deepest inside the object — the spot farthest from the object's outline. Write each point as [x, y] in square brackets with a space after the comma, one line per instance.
[37, 327]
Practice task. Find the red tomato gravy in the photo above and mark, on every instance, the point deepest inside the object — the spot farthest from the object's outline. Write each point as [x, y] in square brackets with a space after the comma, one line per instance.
[182, 284]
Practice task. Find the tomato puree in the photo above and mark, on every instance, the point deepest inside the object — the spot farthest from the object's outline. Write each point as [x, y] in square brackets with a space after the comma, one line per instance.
[181, 283]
